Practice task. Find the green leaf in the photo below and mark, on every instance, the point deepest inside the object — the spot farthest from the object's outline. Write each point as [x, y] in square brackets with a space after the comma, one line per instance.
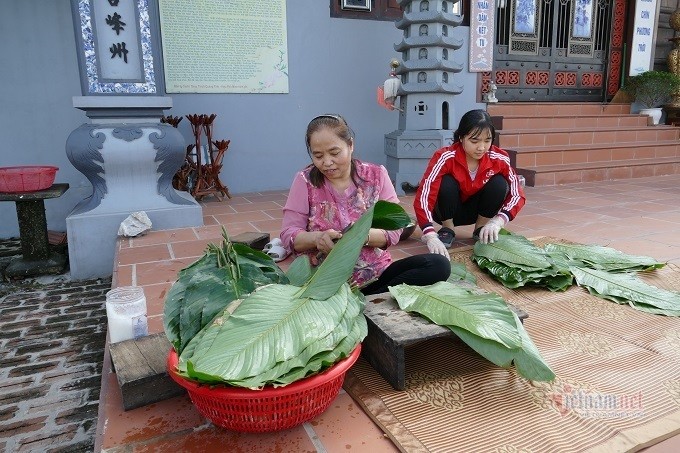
[300, 271]
[339, 264]
[460, 273]
[205, 297]
[482, 321]
[628, 287]
[175, 298]
[313, 356]
[321, 361]
[514, 250]
[491, 350]
[554, 278]
[485, 315]
[390, 216]
[604, 258]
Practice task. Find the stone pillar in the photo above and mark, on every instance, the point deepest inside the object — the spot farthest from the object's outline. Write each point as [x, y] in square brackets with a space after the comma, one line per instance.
[130, 158]
[126, 153]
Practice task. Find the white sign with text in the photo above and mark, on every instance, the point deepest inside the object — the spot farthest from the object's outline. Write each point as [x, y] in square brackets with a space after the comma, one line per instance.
[643, 37]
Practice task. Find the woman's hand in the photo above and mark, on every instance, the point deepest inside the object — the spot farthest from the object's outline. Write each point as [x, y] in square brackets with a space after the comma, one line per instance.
[325, 240]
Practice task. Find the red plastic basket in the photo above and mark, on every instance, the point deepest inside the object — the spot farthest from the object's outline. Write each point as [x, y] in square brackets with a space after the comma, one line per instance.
[269, 409]
[29, 178]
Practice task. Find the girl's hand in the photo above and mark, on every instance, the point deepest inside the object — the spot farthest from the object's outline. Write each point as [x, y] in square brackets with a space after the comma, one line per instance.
[489, 232]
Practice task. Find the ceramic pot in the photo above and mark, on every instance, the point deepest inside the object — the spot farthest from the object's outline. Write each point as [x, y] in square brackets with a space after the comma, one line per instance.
[654, 113]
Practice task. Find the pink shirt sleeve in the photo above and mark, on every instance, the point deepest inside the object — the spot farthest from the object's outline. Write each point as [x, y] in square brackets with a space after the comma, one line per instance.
[295, 212]
[388, 193]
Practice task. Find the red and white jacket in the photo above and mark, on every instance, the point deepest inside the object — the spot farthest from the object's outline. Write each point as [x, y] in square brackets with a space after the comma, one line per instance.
[451, 160]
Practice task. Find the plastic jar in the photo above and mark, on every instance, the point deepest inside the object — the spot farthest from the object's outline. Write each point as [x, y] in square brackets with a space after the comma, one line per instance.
[126, 313]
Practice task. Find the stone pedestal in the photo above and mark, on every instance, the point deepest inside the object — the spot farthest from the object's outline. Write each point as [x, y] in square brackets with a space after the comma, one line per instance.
[37, 257]
[409, 151]
[130, 159]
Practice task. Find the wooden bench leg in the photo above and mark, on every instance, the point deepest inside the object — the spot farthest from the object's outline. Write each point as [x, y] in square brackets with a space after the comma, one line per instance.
[385, 356]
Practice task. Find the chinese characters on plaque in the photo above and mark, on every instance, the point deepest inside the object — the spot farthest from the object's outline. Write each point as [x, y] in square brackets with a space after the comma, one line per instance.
[482, 17]
[117, 40]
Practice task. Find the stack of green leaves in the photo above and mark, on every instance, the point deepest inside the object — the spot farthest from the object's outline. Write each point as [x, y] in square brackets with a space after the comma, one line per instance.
[281, 331]
[482, 320]
[627, 288]
[515, 262]
[603, 258]
[203, 289]
[611, 274]
[605, 272]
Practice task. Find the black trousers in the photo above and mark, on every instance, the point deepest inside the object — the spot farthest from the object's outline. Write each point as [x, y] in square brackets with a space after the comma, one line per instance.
[417, 270]
[487, 202]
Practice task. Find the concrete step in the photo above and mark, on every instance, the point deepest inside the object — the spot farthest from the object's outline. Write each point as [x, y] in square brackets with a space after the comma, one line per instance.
[522, 122]
[585, 135]
[550, 175]
[549, 109]
[546, 156]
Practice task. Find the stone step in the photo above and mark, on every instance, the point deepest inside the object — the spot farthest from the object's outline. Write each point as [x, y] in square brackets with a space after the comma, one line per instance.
[522, 122]
[542, 156]
[546, 109]
[550, 175]
[585, 135]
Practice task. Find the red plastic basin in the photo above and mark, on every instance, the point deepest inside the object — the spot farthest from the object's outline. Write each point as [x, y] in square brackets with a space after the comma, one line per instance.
[28, 178]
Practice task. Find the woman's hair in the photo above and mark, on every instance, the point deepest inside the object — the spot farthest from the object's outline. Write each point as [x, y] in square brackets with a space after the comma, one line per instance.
[474, 122]
[339, 126]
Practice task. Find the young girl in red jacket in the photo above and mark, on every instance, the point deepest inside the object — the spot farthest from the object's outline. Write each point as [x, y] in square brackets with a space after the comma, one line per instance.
[468, 182]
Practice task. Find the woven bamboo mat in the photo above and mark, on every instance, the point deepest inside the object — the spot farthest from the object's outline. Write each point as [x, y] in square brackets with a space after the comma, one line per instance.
[617, 387]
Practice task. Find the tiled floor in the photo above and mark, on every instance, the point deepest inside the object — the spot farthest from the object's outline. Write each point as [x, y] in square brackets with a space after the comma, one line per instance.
[639, 216]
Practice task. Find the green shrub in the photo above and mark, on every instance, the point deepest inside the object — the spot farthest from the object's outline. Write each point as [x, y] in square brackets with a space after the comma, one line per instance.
[652, 88]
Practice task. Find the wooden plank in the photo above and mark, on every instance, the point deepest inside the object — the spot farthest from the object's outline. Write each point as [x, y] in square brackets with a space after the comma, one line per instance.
[140, 367]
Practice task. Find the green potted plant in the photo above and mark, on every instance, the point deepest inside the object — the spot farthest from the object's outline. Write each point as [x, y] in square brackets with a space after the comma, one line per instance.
[651, 90]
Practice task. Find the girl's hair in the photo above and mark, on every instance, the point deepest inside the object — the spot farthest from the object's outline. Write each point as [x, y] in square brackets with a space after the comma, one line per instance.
[474, 121]
[339, 126]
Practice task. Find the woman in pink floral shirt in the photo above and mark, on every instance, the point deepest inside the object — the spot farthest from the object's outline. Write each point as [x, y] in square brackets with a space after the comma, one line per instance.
[331, 194]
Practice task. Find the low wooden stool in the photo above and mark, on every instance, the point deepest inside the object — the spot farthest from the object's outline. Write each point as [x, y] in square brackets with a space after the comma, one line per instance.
[391, 330]
[140, 367]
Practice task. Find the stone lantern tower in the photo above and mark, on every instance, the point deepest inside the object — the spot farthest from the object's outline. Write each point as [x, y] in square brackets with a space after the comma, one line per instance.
[428, 87]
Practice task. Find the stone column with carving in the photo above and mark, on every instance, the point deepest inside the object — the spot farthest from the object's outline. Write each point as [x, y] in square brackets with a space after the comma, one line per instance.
[126, 153]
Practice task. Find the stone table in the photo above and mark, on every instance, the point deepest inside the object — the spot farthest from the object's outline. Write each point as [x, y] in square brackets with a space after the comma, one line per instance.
[37, 258]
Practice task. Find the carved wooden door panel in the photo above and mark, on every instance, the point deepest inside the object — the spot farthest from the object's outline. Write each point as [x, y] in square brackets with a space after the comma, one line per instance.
[551, 50]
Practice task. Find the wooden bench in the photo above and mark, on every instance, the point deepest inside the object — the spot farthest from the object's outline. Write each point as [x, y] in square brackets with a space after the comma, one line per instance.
[391, 330]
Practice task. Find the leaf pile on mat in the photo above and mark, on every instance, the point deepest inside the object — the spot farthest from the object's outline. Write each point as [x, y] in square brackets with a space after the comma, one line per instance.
[605, 272]
[627, 288]
[515, 261]
[283, 331]
[603, 258]
[482, 320]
